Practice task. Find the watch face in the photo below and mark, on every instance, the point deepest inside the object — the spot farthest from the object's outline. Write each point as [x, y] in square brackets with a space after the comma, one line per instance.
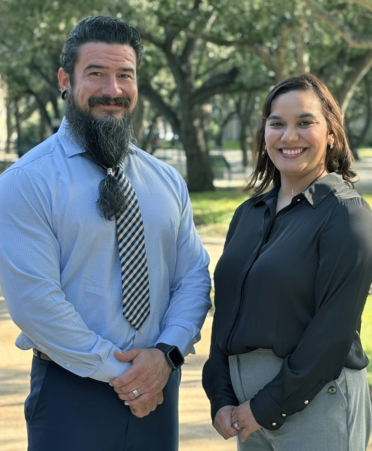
[176, 358]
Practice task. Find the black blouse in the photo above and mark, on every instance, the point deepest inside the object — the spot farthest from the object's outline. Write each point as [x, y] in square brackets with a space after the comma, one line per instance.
[296, 283]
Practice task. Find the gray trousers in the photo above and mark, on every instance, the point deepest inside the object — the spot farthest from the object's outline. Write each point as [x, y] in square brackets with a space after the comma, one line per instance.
[336, 420]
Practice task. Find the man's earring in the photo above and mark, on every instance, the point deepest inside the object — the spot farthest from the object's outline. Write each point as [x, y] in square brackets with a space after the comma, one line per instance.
[64, 95]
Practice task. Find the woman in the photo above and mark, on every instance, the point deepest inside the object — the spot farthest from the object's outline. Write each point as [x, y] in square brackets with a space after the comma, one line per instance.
[286, 370]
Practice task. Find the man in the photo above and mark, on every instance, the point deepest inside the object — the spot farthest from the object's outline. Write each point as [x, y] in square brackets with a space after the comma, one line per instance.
[100, 264]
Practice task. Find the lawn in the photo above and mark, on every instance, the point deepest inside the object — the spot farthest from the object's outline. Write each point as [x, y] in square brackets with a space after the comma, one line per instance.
[213, 210]
[212, 215]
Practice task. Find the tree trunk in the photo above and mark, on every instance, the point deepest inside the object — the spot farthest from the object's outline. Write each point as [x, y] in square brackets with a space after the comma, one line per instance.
[138, 117]
[9, 125]
[243, 145]
[360, 68]
[147, 143]
[56, 110]
[222, 127]
[199, 171]
[245, 108]
[357, 141]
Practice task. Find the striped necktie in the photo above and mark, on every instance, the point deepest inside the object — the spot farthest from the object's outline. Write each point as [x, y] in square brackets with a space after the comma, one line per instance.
[132, 254]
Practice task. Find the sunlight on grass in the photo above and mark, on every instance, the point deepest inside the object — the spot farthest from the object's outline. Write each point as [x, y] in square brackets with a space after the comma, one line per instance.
[365, 153]
[366, 335]
[368, 198]
[214, 210]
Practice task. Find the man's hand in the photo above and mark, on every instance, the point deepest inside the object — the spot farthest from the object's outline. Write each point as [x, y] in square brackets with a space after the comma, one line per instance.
[148, 375]
[222, 422]
[244, 417]
[141, 410]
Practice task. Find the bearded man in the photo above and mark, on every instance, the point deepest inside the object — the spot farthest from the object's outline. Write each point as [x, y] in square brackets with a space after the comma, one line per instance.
[100, 264]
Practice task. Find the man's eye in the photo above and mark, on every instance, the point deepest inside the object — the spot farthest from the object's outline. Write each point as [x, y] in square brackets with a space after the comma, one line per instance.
[95, 74]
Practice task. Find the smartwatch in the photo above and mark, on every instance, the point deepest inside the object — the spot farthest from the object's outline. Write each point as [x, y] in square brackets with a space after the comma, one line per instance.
[173, 355]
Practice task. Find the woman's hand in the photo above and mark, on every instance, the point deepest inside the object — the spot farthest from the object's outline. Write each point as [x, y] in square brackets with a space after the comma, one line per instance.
[222, 422]
[244, 417]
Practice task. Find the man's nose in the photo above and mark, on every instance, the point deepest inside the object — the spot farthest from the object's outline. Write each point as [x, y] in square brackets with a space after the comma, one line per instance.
[111, 88]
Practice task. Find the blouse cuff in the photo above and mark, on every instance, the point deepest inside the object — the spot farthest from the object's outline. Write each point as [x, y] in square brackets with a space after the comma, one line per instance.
[267, 412]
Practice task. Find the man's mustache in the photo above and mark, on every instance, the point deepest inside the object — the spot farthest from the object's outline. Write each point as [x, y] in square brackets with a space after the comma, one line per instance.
[106, 100]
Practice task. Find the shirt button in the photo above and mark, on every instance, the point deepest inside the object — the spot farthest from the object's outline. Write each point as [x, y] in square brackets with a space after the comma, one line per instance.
[284, 414]
[67, 364]
[273, 424]
[332, 390]
[306, 402]
[298, 200]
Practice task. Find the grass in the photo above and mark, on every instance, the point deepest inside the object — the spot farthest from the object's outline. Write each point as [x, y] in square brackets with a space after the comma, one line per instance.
[365, 153]
[213, 210]
[366, 335]
[368, 198]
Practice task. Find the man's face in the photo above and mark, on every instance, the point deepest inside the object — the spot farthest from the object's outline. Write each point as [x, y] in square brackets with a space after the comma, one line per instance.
[105, 81]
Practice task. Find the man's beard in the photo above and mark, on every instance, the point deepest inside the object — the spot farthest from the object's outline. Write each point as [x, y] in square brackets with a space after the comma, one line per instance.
[106, 142]
[105, 139]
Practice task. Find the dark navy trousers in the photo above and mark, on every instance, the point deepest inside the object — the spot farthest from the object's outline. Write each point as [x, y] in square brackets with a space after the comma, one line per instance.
[65, 412]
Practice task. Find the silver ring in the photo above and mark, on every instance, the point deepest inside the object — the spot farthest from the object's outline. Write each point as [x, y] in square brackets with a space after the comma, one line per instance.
[136, 394]
[236, 426]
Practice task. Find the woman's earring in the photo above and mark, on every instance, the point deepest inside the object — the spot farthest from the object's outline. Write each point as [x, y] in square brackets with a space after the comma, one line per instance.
[64, 95]
[331, 142]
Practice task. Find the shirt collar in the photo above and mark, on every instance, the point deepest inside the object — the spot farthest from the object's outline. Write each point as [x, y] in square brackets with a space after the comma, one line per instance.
[314, 194]
[69, 144]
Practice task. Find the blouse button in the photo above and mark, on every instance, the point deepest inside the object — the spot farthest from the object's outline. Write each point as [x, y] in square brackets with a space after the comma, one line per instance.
[273, 424]
[284, 414]
[306, 402]
[332, 390]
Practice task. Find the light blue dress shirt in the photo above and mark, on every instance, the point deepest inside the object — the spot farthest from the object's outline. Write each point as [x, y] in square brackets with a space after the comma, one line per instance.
[59, 262]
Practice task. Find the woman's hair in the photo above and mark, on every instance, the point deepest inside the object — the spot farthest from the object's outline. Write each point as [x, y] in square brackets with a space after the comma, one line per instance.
[338, 159]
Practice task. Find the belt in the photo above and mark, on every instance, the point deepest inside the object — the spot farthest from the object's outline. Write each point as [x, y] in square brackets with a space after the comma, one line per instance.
[41, 355]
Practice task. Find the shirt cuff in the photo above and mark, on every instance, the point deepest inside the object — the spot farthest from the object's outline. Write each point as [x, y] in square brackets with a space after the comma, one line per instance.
[267, 412]
[180, 337]
[111, 368]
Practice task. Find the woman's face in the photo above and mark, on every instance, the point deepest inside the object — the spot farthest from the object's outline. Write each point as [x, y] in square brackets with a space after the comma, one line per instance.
[296, 134]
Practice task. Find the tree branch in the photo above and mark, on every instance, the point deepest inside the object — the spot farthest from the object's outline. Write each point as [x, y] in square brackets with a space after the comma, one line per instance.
[157, 102]
[365, 3]
[361, 65]
[213, 67]
[346, 32]
[150, 38]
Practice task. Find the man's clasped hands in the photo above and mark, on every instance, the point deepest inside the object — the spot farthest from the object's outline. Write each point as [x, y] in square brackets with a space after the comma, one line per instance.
[141, 387]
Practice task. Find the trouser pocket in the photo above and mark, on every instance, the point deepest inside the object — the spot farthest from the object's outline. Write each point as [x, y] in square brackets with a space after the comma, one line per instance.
[38, 372]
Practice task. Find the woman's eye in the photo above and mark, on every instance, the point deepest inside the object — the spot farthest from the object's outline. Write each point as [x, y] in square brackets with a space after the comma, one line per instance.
[306, 123]
[276, 124]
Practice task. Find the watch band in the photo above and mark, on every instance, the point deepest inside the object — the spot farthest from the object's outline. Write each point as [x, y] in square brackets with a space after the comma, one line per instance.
[172, 354]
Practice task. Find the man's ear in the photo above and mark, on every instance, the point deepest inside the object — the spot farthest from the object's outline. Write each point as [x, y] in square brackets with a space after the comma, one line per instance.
[64, 80]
